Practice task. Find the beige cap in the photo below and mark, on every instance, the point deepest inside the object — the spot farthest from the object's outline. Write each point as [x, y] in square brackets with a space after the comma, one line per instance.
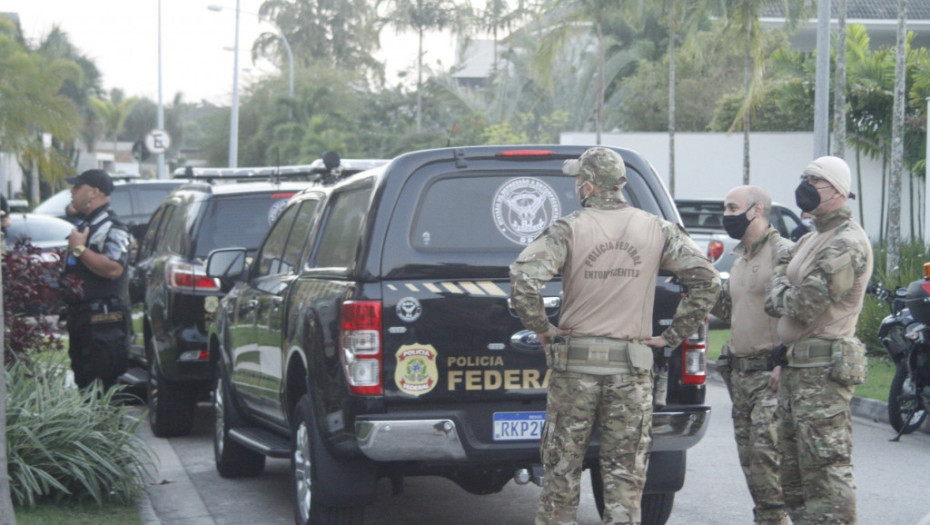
[833, 170]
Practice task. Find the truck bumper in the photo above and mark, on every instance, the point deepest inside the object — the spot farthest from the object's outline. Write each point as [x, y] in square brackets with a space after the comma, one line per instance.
[675, 428]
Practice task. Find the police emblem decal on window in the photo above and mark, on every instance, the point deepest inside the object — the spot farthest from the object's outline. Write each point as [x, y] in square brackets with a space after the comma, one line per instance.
[416, 372]
[408, 309]
[523, 208]
[275, 210]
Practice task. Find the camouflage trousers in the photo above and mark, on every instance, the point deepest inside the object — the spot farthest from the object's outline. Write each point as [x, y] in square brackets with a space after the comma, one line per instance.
[815, 440]
[753, 414]
[622, 406]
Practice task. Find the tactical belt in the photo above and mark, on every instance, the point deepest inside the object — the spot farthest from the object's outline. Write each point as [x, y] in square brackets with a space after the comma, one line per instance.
[749, 363]
[608, 352]
[808, 353]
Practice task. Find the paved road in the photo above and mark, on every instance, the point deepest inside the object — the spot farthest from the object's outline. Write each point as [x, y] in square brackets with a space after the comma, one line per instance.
[894, 486]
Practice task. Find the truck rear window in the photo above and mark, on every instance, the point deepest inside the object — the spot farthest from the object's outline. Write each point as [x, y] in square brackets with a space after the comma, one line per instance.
[449, 223]
[492, 213]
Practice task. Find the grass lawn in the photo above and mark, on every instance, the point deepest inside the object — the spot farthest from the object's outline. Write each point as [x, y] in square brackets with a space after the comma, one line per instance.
[876, 387]
[78, 514]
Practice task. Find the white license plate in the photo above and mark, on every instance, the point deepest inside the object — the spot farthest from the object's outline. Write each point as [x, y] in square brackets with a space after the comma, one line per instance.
[518, 426]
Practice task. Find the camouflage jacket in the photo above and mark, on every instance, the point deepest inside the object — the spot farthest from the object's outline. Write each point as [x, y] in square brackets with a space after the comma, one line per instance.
[546, 256]
[835, 275]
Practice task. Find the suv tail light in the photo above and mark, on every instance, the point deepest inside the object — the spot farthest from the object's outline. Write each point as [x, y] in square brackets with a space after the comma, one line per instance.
[360, 344]
[694, 357]
[190, 277]
[714, 250]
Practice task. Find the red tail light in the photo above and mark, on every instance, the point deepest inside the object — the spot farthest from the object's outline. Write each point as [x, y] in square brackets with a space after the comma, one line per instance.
[694, 357]
[190, 277]
[714, 250]
[360, 345]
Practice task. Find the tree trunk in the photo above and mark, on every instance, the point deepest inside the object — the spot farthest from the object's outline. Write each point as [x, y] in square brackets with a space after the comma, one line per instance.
[420, 80]
[747, 81]
[600, 81]
[839, 85]
[7, 516]
[897, 147]
[672, 26]
[859, 196]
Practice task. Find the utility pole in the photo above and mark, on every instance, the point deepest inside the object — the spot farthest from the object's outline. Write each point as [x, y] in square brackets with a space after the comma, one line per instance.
[822, 81]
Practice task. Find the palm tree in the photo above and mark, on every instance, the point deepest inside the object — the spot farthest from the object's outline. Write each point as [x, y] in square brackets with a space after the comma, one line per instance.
[897, 144]
[112, 113]
[499, 16]
[684, 16]
[565, 19]
[839, 84]
[30, 104]
[743, 19]
[421, 16]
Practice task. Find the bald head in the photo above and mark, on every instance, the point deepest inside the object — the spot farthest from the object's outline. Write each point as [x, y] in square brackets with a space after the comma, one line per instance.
[756, 203]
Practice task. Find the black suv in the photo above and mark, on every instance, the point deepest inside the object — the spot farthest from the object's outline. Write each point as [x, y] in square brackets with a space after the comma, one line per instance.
[133, 199]
[372, 335]
[178, 298]
[217, 208]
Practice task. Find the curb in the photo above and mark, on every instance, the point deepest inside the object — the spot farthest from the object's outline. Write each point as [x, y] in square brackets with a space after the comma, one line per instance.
[862, 407]
[171, 498]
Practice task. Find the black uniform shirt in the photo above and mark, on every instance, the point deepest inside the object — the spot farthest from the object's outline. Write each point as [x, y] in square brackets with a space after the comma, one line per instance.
[110, 237]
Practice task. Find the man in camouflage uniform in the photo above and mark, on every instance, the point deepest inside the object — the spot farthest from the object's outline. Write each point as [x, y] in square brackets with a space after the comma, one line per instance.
[743, 364]
[818, 297]
[609, 255]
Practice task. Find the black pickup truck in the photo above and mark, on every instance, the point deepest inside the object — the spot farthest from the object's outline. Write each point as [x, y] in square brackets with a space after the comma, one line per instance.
[371, 336]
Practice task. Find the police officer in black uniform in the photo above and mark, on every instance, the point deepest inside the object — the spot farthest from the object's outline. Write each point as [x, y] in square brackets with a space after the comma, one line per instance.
[98, 256]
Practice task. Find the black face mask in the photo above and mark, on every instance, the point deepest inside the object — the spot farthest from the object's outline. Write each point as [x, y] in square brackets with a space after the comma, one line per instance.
[807, 197]
[736, 224]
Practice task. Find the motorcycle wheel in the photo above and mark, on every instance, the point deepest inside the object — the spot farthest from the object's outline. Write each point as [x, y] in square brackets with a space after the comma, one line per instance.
[903, 401]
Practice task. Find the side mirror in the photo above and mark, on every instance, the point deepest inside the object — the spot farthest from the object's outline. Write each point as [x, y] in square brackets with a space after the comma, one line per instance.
[226, 263]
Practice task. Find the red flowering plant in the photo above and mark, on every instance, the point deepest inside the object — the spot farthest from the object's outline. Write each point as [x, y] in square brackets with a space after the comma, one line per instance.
[34, 293]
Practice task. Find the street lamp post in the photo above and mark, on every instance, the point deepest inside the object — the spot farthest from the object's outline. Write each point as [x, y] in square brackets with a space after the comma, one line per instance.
[234, 111]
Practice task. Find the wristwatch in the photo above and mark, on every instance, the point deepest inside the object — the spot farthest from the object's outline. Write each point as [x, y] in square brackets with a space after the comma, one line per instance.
[78, 250]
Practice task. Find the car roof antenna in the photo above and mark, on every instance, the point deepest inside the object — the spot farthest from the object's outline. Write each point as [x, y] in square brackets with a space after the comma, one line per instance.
[276, 178]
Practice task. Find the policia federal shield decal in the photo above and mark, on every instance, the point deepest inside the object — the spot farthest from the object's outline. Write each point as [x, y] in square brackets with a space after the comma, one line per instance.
[416, 372]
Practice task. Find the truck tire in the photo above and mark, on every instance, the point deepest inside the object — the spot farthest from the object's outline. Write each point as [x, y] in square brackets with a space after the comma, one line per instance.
[233, 460]
[656, 507]
[326, 491]
[171, 404]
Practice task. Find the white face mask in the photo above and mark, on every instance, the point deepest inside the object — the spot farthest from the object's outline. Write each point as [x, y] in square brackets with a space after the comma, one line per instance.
[807, 222]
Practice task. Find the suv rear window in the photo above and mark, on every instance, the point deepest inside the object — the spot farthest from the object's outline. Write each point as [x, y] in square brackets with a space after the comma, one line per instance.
[240, 220]
[701, 214]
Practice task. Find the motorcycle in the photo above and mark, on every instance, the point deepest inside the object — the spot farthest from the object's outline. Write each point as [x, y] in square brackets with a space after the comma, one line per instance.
[905, 334]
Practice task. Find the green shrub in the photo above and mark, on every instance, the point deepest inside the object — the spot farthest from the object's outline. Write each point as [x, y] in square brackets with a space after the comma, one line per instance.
[65, 445]
[910, 268]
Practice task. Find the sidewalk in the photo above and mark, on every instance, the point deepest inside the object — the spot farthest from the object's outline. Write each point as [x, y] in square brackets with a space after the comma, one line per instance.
[170, 498]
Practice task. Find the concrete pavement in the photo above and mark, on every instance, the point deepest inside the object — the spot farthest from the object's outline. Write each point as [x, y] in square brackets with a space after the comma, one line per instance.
[172, 499]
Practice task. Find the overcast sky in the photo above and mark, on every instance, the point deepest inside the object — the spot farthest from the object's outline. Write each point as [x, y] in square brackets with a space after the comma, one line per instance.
[121, 36]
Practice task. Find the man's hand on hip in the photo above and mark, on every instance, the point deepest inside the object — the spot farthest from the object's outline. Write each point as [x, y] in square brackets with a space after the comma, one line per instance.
[553, 331]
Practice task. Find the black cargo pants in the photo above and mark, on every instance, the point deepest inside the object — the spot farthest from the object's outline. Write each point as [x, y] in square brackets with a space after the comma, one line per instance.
[98, 330]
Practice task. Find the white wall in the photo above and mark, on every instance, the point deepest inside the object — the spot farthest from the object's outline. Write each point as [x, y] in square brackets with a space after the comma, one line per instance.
[707, 165]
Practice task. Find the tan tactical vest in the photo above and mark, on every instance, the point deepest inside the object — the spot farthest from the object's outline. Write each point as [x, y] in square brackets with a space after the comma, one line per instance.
[752, 331]
[839, 319]
[609, 280]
